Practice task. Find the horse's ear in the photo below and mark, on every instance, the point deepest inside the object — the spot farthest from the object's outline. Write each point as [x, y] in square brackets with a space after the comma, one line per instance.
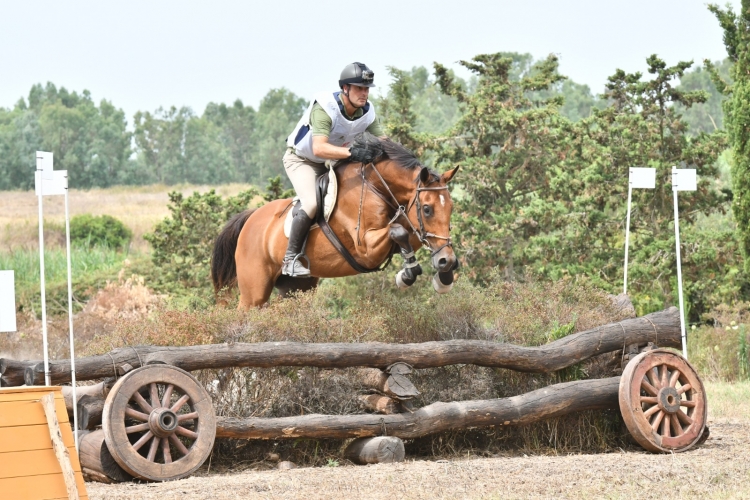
[424, 175]
[446, 177]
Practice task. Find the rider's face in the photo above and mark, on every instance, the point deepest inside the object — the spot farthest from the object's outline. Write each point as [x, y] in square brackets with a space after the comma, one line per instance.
[358, 95]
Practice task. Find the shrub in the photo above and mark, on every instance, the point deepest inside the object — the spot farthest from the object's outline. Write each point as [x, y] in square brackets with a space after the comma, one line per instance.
[99, 230]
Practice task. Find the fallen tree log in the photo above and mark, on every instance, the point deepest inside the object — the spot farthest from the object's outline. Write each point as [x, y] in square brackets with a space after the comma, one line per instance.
[379, 404]
[12, 371]
[90, 409]
[96, 461]
[552, 401]
[376, 450]
[394, 385]
[662, 328]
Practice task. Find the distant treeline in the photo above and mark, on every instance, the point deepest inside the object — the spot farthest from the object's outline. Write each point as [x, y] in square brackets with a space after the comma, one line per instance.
[235, 142]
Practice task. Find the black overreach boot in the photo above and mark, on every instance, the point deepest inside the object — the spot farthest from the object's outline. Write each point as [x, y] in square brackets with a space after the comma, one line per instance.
[297, 236]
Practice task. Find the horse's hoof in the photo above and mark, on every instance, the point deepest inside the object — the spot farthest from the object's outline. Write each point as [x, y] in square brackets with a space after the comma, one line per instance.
[439, 286]
[400, 283]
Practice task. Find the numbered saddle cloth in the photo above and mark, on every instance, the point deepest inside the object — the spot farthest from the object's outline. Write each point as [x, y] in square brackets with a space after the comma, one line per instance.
[328, 202]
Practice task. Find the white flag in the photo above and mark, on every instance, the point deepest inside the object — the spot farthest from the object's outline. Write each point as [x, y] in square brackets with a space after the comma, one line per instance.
[7, 302]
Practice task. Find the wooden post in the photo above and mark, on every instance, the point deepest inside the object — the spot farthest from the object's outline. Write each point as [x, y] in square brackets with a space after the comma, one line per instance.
[90, 409]
[48, 403]
[96, 461]
[376, 450]
[380, 404]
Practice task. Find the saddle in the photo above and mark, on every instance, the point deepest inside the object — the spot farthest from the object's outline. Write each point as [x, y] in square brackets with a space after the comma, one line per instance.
[327, 184]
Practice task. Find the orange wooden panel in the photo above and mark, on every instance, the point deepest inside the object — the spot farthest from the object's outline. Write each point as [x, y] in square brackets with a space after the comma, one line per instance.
[48, 487]
[28, 393]
[32, 463]
[31, 437]
[17, 413]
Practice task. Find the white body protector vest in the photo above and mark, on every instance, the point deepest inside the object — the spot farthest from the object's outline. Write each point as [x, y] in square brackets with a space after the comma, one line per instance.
[342, 133]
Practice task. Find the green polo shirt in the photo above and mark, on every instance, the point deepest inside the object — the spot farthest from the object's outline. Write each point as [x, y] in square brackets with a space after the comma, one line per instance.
[321, 123]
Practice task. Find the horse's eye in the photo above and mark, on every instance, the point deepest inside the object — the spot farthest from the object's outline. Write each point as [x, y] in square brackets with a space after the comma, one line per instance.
[427, 210]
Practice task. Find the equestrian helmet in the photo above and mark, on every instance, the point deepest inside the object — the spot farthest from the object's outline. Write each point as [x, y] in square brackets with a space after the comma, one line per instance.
[357, 74]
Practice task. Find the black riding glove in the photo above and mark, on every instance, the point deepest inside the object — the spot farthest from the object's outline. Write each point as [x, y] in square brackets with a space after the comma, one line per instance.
[362, 154]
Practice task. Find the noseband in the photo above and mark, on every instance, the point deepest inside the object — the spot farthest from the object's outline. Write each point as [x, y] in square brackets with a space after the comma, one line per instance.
[421, 233]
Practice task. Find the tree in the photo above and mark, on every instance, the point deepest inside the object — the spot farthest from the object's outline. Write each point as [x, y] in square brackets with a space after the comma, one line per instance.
[706, 116]
[737, 113]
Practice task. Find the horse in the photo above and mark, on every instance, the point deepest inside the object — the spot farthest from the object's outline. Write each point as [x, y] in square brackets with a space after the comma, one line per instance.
[393, 203]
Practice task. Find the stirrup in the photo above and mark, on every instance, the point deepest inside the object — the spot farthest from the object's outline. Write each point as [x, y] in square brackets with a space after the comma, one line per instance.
[294, 268]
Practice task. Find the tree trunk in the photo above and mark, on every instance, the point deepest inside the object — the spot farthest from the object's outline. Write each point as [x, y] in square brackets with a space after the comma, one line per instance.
[662, 328]
[11, 371]
[379, 404]
[95, 457]
[552, 401]
[394, 385]
[376, 450]
[90, 410]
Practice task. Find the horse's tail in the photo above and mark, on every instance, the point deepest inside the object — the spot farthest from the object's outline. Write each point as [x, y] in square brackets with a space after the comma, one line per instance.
[223, 266]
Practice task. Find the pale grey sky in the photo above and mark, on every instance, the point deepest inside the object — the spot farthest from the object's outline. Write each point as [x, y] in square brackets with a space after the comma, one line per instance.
[144, 54]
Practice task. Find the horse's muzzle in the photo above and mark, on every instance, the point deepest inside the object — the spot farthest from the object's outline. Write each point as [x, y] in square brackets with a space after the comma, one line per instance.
[444, 260]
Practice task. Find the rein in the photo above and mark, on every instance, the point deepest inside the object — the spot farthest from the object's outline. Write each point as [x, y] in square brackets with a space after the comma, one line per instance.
[422, 234]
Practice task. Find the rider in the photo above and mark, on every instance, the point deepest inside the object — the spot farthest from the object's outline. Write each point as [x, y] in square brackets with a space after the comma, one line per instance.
[326, 132]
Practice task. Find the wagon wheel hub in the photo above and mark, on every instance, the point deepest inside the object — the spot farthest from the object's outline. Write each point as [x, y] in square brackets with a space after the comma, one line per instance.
[162, 422]
[669, 400]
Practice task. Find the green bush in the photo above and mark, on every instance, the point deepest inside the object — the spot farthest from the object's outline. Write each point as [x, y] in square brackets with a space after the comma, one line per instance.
[99, 230]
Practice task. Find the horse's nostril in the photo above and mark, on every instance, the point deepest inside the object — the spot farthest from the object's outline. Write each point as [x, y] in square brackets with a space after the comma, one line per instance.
[442, 262]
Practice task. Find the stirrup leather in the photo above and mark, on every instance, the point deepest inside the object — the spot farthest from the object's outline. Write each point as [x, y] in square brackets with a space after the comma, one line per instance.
[294, 268]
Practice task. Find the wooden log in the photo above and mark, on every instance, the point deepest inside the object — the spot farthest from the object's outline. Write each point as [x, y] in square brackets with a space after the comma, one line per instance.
[11, 371]
[549, 402]
[90, 410]
[61, 451]
[99, 390]
[662, 328]
[376, 450]
[379, 404]
[95, 457]
[394, 385]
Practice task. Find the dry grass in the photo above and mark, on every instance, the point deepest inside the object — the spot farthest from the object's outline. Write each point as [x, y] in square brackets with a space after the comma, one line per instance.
[138, 207]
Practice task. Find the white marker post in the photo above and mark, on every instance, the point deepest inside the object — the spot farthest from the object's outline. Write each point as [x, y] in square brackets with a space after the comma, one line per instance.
[7, 302]
[50, 182]
[683, 179]
[640, 178]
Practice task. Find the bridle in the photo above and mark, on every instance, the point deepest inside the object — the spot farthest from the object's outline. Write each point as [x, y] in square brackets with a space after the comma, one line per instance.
[421, 233]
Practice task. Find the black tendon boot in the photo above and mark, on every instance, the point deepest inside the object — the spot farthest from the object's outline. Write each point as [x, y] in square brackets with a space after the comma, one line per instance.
[297, 236]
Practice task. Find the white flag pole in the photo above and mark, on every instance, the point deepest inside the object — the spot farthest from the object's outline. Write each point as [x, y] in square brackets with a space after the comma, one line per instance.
[679, 273]
[40, 170]
[683, 179]
[70, 317]
[627, 239]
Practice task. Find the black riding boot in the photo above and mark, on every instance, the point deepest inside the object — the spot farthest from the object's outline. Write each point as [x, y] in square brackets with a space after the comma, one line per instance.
[297, 236]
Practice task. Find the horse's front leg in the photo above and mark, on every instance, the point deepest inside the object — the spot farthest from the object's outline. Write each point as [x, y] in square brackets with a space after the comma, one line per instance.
[411, 268]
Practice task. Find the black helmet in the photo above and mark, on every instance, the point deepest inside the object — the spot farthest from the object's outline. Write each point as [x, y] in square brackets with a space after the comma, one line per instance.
[357, 74]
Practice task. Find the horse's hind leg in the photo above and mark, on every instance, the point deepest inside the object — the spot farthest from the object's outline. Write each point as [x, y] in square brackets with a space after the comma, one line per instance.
[255, 287]
[408, 275]
[287, 284]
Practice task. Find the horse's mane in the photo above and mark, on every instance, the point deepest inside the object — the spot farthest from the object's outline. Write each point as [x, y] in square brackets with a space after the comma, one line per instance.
[396, 152]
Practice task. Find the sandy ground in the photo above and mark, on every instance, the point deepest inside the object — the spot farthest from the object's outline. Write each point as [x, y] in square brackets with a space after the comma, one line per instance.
[718, 469]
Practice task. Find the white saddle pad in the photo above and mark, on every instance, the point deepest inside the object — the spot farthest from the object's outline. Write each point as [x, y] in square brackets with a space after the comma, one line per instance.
[328, 203]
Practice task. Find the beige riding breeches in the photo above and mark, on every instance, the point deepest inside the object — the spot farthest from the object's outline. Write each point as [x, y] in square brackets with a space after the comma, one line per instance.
[303, 173]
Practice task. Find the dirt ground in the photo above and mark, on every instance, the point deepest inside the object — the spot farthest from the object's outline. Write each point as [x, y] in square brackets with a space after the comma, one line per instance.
[718, 469]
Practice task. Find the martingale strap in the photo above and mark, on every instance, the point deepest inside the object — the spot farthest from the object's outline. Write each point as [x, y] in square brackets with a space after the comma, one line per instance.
[321, 187]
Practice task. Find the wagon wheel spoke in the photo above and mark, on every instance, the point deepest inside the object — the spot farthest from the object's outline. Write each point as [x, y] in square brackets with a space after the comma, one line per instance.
[165, 450]
[135, 414]
[684, 389]
[167, 395]
[187, 416]
[683, 418]
[180, 403]
[178, 444]
[687, 403]
[154, 393]
[152, 450]
[652, 400]
[185, 432]
[142, 402]
[663, 380]
[653, 377]
[646, 386]
[144, 439]
[665, 423]
[674, 378]
[676, 428]
[650, 412]
[136, 428]
[657, 420]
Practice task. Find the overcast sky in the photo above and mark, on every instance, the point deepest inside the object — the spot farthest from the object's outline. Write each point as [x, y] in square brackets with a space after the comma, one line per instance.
[144, 54]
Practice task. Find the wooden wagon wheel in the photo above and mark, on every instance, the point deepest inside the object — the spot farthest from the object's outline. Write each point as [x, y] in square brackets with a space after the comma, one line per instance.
[159, 423]
[663, 401]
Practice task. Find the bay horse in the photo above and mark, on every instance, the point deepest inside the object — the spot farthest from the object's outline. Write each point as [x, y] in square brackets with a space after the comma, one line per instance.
[394, 202]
